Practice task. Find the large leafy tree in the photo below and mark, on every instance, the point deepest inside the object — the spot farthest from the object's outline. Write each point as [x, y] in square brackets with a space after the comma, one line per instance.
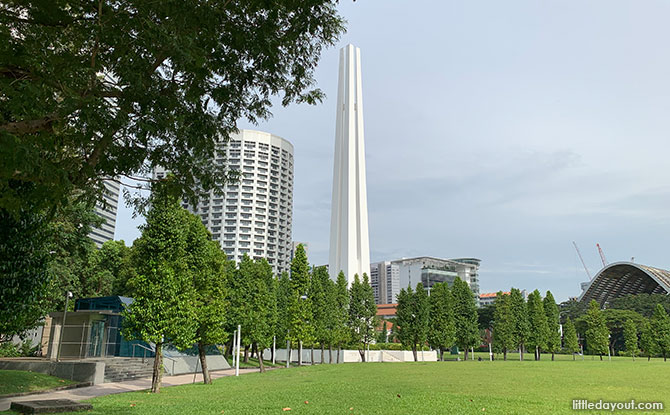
[503, 325]
[519, 315]
[441, 329]
[570, 340]
[553, 324]
[597, 335]
[465, 316]
[537, 319]
[163, 310]
[113, 268]
[660, 323]
[322, 307]
[104, 89]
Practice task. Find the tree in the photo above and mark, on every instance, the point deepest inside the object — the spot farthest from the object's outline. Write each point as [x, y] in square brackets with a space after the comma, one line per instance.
[553, 324]
[660, 324]
[570, 339]
[647, 340]
[465, 316]
[412, 318]
[519, 314]
[113, 268]
[163, 307]
[615, 321]
[24, 272]
[283, 301]
[503, 325]
[597, 335]
[537, 319]
[630, 337]
[122, 87]
[261, 306]
[320, 312]
[441, 329]
[644, 304]
[301, 329]
[341, 333]
[362, 313]
[209, 267]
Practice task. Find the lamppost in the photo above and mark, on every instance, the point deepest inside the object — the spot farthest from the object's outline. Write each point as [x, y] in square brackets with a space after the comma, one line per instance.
[62, 329]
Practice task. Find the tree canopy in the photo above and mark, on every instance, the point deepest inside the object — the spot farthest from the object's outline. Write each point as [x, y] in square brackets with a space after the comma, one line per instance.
[108, 89]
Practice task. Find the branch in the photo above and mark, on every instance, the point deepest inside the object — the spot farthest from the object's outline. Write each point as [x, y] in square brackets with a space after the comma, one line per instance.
[30, 126]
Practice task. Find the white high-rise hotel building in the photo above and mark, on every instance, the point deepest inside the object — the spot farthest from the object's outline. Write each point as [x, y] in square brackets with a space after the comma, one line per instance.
[253, 216]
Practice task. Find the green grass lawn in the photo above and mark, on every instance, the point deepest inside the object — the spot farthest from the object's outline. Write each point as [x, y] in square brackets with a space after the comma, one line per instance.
[19, 381]
[497, 387]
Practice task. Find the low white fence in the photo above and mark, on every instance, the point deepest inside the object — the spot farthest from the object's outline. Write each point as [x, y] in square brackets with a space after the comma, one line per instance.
[353, 356]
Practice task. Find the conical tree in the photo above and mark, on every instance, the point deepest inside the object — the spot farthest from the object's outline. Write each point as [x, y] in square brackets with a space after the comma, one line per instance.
[553, 324]
[537, 319]
[362, 313]
[301, 326]
[503, 325]
[519, 312]
[597, 334]
[630, 337]
[570, 339]
[342, 333]
[441, 329]
[648, 340]
[660, 323]
[465, 316]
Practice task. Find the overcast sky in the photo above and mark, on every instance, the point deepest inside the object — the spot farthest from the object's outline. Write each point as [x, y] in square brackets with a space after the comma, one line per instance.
[497, 130]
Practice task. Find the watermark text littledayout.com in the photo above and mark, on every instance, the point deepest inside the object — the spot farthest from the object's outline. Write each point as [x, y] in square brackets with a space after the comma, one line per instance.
[600, 405]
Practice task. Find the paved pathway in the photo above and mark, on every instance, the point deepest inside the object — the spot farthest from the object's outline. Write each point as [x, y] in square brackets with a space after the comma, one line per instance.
[88, 392]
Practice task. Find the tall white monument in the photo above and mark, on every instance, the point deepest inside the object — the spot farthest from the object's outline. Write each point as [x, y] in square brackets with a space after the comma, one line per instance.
[349, 242]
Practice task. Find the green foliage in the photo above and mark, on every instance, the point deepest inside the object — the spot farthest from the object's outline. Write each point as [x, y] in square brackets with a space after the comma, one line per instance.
[519, 316]
[341, 333]
[503, 324]
[324, 306]
[553, 324]
[630, 337]
[648, 340]
[441, 326]
[572, 309]
[411, 324]
[362, 312]
[570, 340]
[24, 272]
[465, 315]
[596, 330]
[163, 309]
[109, 89]
[644, 304]
[660, 324]
[485, 316]
[301, 326]
[112, 268]
[283, 301]
[537, 319]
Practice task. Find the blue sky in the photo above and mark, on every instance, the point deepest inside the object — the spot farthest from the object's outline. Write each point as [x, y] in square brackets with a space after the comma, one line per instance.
[497, 130]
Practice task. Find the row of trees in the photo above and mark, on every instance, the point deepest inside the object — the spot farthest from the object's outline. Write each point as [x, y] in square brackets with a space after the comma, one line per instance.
[445, 318]
[187, 292]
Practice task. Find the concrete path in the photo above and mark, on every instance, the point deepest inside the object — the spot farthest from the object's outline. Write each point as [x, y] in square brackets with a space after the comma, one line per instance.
[88, 392]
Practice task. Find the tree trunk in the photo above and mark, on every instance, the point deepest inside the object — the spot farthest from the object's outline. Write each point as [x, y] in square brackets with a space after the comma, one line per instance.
[323, 351]
[330, 354]
[521, 352]
[648, 357]
[552, 356]
[311, 357]
[601, 357]
[505, 354]
[246, 354]
[441, 354]
[339, 349]
[254, 350]
[416, 359]
[272, 354]
[362, 352]
[573, 356]
[466, 354]
[228, 352]
[261, 366]
[158, 369]
[300, 353]
[206, 378]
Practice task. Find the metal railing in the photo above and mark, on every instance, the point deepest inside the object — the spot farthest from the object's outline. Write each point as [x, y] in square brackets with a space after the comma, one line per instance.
[152, 351]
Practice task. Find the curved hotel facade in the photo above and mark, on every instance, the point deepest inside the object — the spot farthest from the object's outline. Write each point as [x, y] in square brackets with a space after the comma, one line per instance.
[253, 216]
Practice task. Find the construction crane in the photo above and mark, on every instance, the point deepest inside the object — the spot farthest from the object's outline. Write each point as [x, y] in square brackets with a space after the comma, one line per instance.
[588, 274]
[602, 255]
